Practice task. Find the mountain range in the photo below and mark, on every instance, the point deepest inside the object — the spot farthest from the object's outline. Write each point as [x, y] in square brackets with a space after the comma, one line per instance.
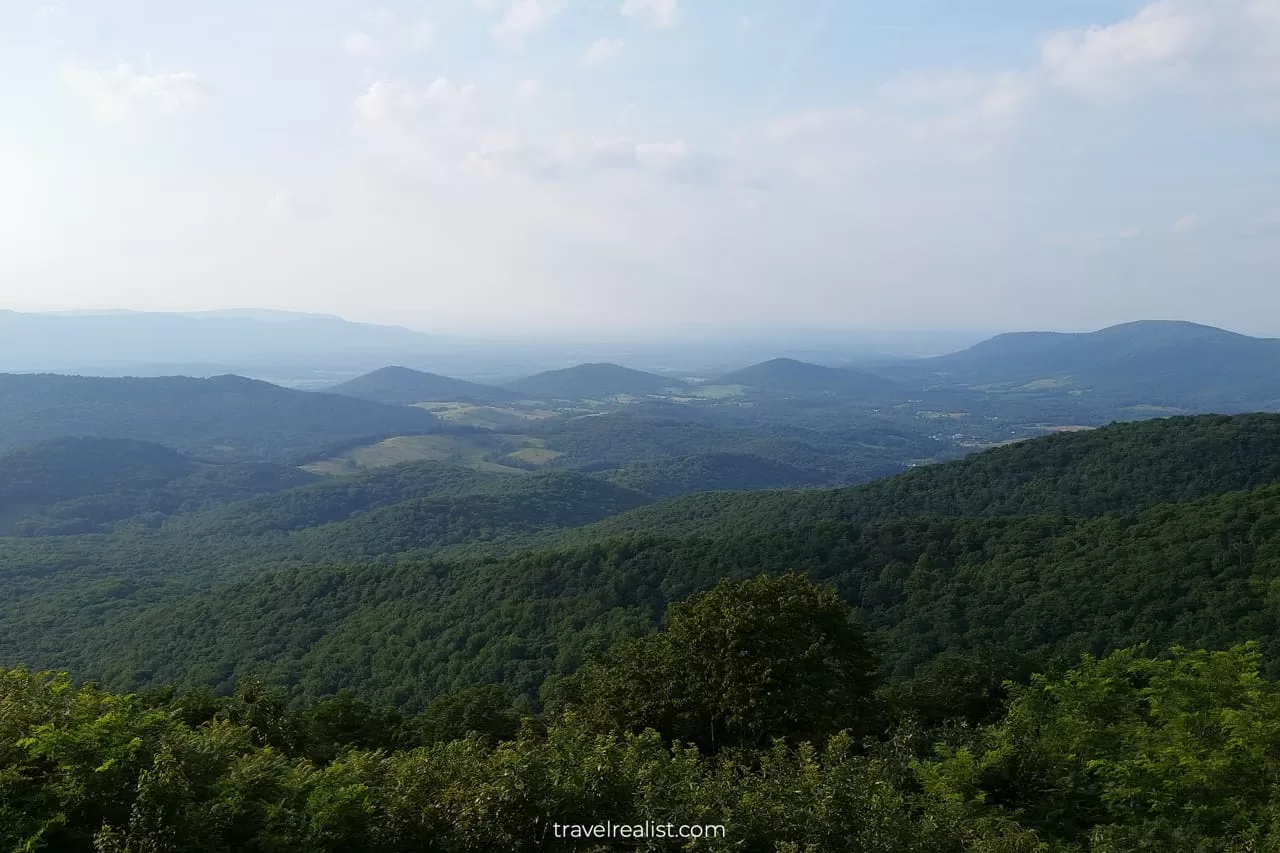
[224, 417]
[1153, 362]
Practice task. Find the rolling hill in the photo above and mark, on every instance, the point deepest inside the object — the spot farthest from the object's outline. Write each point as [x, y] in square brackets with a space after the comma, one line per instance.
[788, 376]
[409, 581]
[225, 418]
[593, 381]
[1153, 362]
[403, 386]
[1120, 468]
[705, 472]
[85, 485]
[1051, 587]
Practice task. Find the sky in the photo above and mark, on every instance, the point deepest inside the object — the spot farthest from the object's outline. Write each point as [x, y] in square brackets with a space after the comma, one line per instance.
[621, 165]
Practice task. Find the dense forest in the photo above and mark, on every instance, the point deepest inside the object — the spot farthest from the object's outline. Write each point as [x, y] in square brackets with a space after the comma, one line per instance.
[1042, 646]
[752, 720]
[413, 580]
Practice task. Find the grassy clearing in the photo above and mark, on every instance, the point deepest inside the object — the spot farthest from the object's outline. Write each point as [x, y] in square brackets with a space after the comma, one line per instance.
[716, 392]
[1046, 384]
[489, 417]
[536, 455]
[463, 450]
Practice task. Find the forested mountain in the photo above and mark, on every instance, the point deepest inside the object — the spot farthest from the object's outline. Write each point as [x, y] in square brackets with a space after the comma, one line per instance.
[84, 485]
[403, 386]
[430, 631]
[663, 446]
[1200, 574]
[410, 507]
[1114, 469]
[593, 381]
[788, 376]
[227, 417]
[1154, 362]
[1034, 546]
[707, 472]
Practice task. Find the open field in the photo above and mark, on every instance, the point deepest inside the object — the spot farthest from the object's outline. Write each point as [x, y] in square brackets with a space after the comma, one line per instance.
[536, 455]
[466, 451]
[713, 392]
[488, 417]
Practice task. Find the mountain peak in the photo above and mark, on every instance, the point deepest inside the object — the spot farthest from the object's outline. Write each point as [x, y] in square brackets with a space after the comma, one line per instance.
[403, 386]
[594, 379]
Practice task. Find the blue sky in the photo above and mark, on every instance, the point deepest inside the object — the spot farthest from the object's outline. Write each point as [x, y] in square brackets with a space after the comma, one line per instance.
[630, 164]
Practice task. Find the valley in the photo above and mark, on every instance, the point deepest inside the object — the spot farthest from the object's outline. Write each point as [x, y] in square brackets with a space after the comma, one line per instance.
[437, 564]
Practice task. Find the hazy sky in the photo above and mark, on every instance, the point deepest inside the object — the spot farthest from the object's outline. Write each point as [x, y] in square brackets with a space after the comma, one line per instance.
[512, 163]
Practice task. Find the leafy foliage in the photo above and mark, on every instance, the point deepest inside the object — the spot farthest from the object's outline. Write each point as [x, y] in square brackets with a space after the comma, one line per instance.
[741, 665]
[86, 485]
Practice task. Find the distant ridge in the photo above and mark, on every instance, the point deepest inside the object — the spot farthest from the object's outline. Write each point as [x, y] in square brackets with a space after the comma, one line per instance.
[403, 386]
[593, 380]
[787, 375]
[224, 418]
[74, 341]
[1157, 361]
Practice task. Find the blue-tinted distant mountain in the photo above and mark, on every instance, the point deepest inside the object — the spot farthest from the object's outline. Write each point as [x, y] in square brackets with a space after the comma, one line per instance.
[591, 381]
[1155, 362]
[788, 376]
[90, 342]
[226, 417]
[403, 386]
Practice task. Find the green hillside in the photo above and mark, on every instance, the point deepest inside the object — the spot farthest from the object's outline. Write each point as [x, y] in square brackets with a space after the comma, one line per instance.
[226, 418]
[707, 472]
[431, 632]
[83, 485]
[841, 454]
[1195, 574]
[1115, 469]
[1080, 541]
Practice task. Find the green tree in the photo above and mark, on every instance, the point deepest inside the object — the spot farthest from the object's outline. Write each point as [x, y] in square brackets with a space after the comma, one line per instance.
[742, 664]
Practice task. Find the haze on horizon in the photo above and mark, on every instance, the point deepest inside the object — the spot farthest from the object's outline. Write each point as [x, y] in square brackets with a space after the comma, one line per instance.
[513, 164]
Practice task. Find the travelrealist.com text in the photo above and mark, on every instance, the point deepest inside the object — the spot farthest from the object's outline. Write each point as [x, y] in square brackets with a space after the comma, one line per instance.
[639, 831]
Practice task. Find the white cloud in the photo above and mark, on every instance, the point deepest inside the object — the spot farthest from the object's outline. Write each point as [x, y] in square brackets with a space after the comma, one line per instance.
[1267, 224]
[603, 50]
[120, 94]
[935, 116]
[526, 92]
[1188, 223]
[1130, 233]
[524, 17]
[569, 157]
[386, 33]
[659, 13]
[360, 43]
[50, 10]
[1113, 61]
[397, 103]
[1227, 50]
